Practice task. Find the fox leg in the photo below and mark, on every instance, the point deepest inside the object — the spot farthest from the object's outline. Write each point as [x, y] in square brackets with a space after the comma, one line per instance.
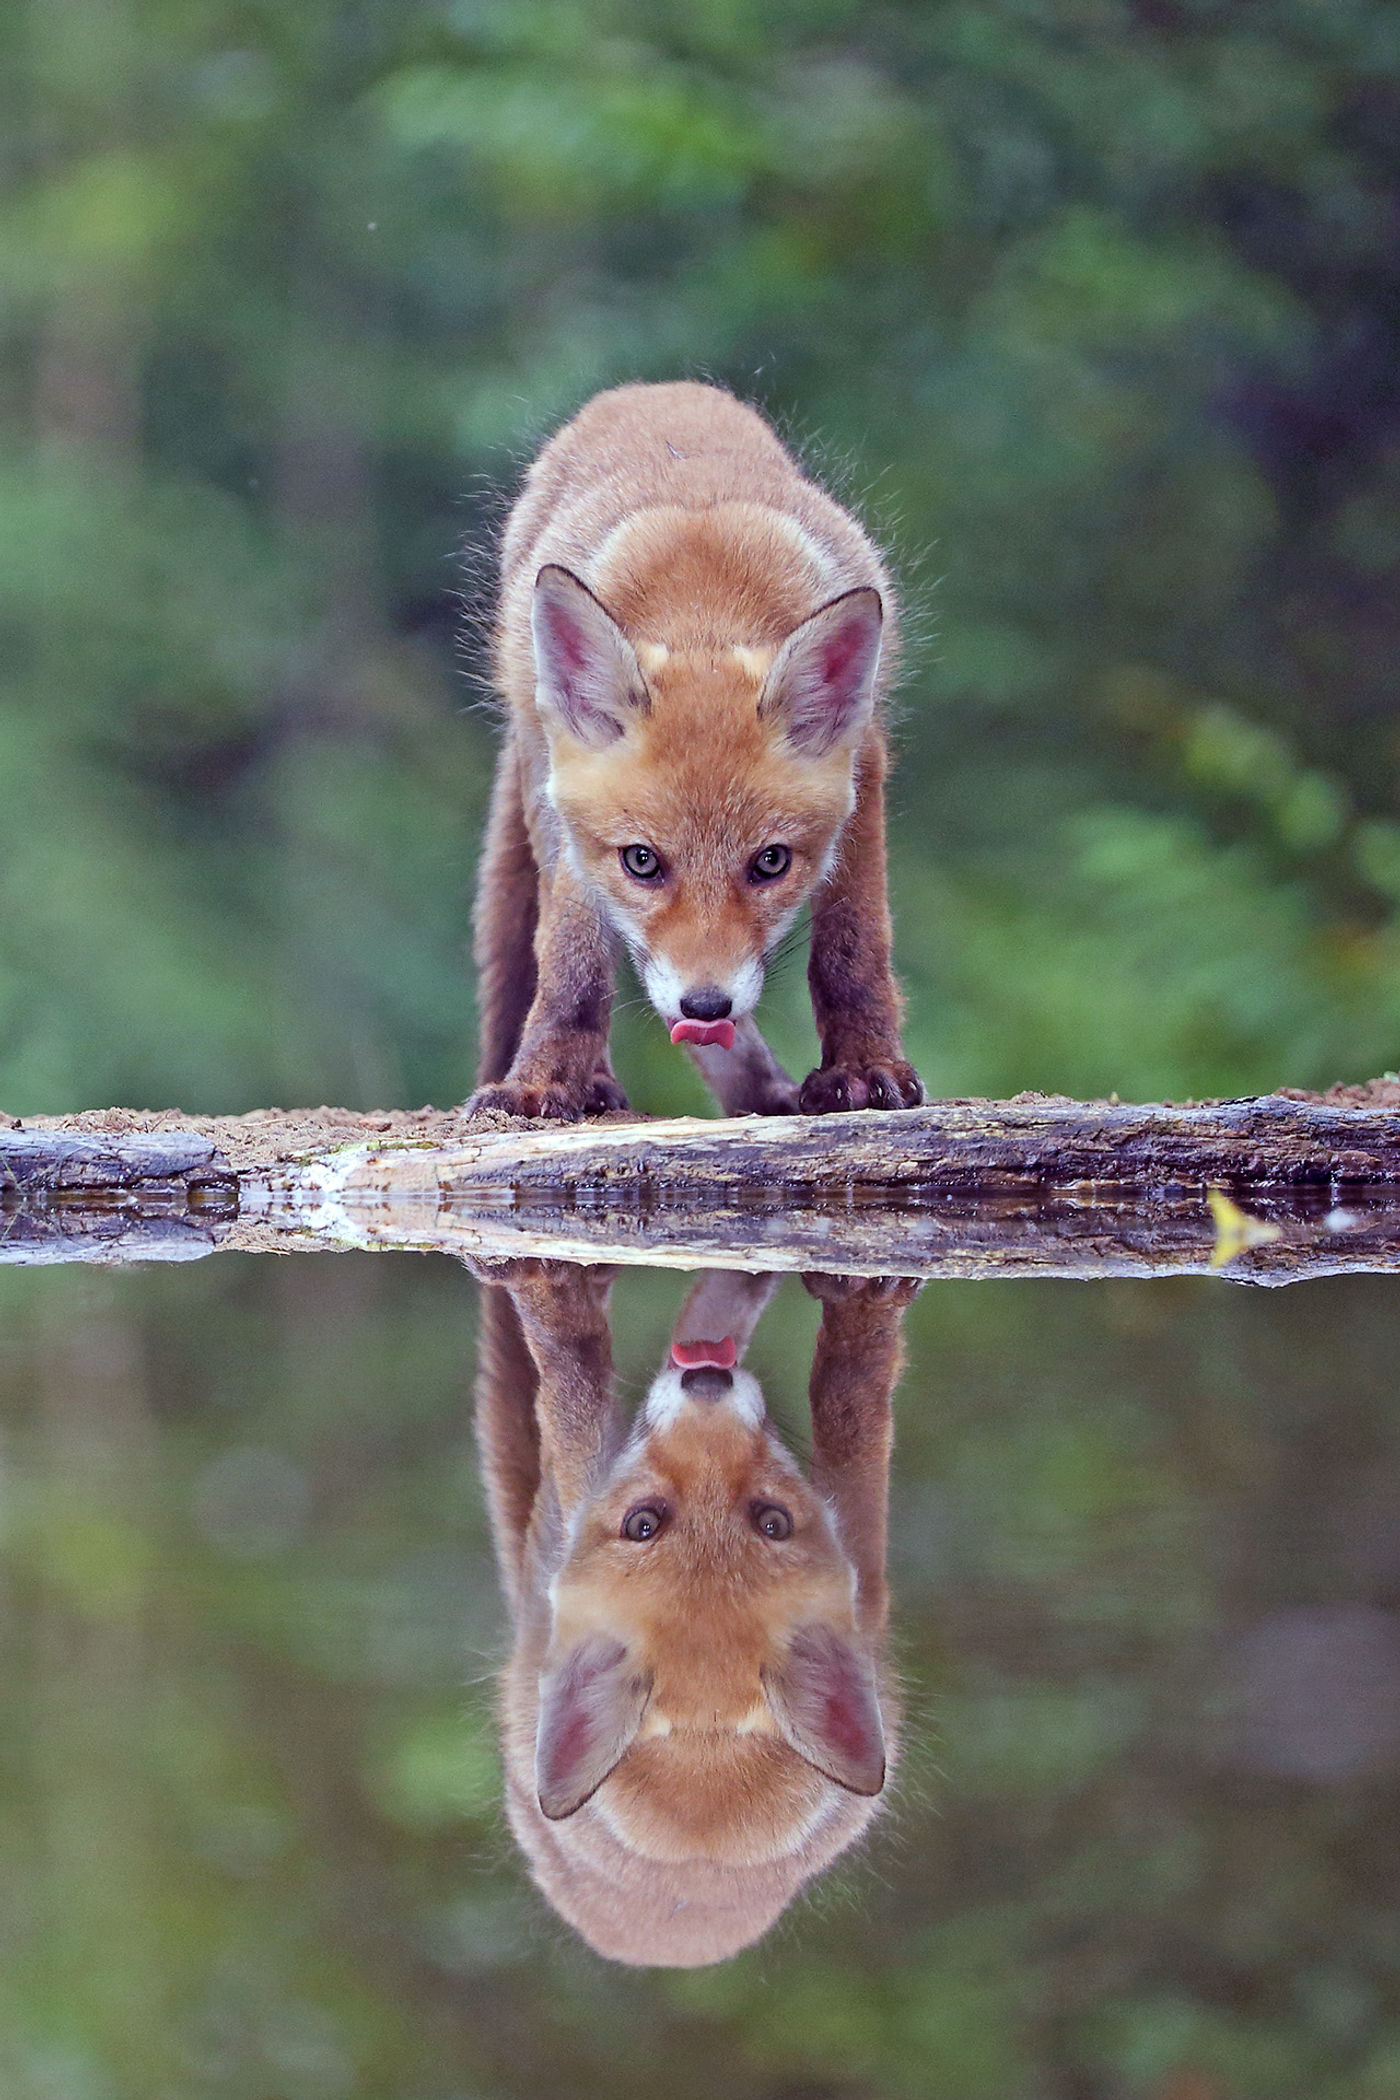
[507, 1432]
[859, 1356]
[507, 912]
[563, 1324]
[560, 1068]
[746, 1080]
[855, 999]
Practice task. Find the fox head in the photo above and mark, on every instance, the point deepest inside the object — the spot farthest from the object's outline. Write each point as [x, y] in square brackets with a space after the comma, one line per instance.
[702, 793]
[704, 1680]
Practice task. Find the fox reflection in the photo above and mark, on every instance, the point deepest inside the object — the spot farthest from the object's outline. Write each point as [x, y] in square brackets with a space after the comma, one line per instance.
[695, 1713]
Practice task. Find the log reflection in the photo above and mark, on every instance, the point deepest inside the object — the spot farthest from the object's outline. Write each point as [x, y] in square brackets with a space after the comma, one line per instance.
[696, 1714]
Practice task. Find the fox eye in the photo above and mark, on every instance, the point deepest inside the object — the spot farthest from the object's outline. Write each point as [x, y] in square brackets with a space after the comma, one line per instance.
[772, 1520]
[642, 863]
[643, 1522]
[769, 864]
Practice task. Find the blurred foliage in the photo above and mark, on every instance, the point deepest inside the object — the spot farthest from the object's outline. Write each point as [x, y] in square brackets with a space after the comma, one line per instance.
[251, 1840]
[1091, 305]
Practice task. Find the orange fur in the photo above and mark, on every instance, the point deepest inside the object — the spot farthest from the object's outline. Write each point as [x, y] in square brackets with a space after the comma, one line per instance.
[693, 644]
[717, 1802]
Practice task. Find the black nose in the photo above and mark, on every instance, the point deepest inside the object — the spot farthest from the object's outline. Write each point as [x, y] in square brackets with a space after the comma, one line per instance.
[706, 1003]
[706, 1382]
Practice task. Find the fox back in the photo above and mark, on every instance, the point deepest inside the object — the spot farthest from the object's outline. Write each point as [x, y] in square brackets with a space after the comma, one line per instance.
[686, 516]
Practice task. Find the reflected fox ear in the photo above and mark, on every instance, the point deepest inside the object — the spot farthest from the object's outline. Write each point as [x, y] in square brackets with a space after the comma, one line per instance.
[826, 1706]
[586, 670]
[822, 685]
[591, 1706]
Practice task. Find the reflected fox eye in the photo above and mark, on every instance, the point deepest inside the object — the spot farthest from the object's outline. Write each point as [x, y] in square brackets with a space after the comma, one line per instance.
[641, 863]
[768, 865]
[772, 1520]
[643, 1522]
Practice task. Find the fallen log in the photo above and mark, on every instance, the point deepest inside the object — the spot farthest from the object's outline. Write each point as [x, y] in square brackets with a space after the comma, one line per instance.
[1310, 1185]
[147, 1196]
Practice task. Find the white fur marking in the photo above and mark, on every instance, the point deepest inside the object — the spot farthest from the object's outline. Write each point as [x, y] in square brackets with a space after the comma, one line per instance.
[667, 1399]
[665, 985]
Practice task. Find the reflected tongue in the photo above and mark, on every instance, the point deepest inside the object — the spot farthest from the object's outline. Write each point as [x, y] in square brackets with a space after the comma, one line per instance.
[721, 1032]
[710, 1356]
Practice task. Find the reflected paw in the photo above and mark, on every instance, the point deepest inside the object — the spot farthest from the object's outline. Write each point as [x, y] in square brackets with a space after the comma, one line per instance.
[555, 1278]
[883, 1083]
[507, 1271]
[850, 1290]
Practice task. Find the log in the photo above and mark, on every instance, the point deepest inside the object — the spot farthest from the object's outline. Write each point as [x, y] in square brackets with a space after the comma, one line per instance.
[148, 1196]
[1304, 1185]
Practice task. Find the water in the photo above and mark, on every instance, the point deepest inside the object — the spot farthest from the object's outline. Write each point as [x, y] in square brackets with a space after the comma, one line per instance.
[1142, 1839]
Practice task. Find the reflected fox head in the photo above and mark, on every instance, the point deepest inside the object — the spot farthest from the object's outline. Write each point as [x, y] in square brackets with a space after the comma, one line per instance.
[703, 1655]
[702, 793]
[695, 1715]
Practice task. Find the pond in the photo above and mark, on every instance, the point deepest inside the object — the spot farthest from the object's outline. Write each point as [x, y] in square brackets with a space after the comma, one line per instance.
[1140, 1833]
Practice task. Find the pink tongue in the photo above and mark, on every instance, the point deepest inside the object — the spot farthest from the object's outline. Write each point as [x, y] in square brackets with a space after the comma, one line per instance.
[721, 1032]
[711, 1356]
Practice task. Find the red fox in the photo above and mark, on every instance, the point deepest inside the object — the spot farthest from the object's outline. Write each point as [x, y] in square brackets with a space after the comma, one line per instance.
[693, 643]
[695, 1714]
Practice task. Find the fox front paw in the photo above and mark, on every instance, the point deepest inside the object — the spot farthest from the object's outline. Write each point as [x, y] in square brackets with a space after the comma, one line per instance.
[603, 1094]
[886, 1083]
[773, 1097]
[510, 1097]
[555, 1102]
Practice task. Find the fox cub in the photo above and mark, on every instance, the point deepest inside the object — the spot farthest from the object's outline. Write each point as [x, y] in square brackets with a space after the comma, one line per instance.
[696, 1714]
[693, 642]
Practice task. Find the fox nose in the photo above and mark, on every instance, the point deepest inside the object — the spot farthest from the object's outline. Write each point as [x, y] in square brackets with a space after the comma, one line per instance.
[707, 1003]
[706, 1382]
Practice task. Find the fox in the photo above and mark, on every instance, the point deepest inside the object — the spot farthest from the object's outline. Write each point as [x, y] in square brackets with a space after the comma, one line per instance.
[693, 645]
[696, 1715]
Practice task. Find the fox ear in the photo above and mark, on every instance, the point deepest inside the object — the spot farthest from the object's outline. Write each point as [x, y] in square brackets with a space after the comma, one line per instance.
[591, 1706]
[826, 1706]
[822, 684]
[586, 670]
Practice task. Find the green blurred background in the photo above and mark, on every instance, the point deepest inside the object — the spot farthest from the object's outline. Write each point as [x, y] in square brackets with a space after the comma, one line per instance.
[1091, 305]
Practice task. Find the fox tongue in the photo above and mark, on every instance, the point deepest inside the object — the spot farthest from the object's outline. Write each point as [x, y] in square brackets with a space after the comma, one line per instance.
[711, 1356]
[721, 1032]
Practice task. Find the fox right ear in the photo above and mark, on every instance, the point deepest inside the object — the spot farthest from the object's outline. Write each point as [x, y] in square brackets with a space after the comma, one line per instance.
[825, 1702]
[821, 688]
[591, 1706]
[586, 670]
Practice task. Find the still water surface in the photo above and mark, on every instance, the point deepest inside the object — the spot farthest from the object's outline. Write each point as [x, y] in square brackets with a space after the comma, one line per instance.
[1142, 1837]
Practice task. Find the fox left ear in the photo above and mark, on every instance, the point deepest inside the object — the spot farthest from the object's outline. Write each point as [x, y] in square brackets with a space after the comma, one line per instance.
[586, 670]
[822, 684]
[826, 1706]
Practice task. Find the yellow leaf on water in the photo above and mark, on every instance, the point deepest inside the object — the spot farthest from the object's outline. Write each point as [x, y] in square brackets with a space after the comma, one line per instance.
[1235, 1230]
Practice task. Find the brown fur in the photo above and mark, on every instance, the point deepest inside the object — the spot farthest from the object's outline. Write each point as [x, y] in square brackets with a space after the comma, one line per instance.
[709, 1822]
[705, 549]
